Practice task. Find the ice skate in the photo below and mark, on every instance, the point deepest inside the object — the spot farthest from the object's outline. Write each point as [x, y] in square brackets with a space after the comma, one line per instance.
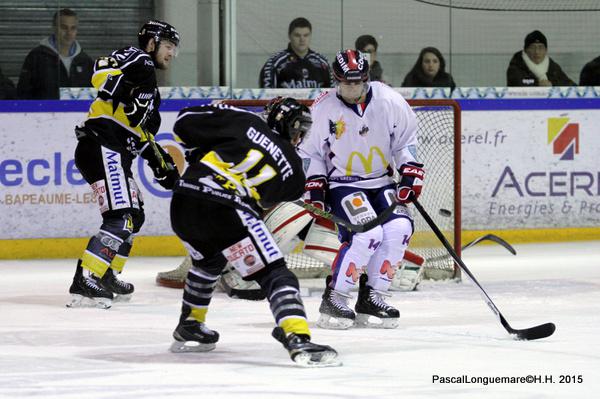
[193, 336]
[175, 278]
[335, 313]
[305, 353]
[121, 290]
[371, 305]
[85, 291]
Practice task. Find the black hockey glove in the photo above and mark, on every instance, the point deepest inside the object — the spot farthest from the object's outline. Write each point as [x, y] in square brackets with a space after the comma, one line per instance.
[166, 175]
[167, 178]
[140, 107]
[411, 182]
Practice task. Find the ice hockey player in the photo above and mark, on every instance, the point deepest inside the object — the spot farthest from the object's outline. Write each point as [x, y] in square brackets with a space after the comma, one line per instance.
[240, 164]
[121, 124]
[362, 132]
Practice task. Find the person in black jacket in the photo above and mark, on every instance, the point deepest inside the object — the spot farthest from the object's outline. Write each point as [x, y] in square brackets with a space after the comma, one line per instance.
[429, 71]
[7, 88]
[533, 67]
[297, 66]
[57, 62]
[368, 45]
[590, 74]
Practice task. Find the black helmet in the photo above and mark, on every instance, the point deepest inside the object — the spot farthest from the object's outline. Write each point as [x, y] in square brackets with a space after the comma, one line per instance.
[157, 30]
[288, 117]
[350, 66]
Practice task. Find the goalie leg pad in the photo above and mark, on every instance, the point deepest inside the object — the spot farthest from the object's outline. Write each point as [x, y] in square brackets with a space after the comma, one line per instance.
[285, 221]
[321, 243]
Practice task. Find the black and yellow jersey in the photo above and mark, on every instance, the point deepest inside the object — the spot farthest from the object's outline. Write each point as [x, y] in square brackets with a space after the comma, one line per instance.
[116, 77]
[235, 157]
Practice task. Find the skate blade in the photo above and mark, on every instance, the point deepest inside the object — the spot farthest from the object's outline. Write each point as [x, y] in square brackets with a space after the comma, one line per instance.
[315, 360]
[79, 301]
[332, 323]
[369, 321]
[190, 346]
[122, 298]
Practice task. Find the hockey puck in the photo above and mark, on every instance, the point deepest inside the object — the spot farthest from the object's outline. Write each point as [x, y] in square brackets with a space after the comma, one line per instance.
[445, 212]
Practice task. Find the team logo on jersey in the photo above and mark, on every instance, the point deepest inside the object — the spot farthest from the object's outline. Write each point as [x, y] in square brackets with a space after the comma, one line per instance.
[353, 272]
[363, 130]
[367, 163]
[564, 138]
[338, 128]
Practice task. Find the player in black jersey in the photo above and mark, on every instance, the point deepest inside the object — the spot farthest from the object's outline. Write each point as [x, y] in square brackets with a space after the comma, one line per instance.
[297, 66]
[121, 124]
[239, 164]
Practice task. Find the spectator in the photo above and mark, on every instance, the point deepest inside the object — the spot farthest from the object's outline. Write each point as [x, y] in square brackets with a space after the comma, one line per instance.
[429, 71]
[368, 45]
[297, 66]
[57, 62]
[590, 74]
[533, 66]
[7, 88]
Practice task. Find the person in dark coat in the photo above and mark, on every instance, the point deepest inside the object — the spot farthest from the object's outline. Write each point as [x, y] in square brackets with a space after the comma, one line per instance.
[590, 74]
[368, 44]
[429, 71]
[7, 88]
[533, 67]
[57, 62]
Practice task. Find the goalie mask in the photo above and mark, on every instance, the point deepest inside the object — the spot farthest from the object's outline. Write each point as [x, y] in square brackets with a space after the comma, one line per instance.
[289, 118]
[351, 72]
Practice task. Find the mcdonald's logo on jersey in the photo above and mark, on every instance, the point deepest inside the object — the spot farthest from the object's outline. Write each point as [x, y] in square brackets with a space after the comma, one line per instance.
[564, 138]
[367, 163]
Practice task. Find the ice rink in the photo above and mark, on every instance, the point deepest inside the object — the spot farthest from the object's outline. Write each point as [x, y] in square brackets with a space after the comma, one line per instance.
[446, 329]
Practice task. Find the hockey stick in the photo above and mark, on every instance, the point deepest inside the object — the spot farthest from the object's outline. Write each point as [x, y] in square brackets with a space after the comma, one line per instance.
[359, 228]
[490, 237]
[537, 332]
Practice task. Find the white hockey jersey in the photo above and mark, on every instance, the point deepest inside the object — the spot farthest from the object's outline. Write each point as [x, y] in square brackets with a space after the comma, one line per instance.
[360, 146]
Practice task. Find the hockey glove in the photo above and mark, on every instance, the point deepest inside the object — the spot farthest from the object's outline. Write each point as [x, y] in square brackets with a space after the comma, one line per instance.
[166, 173]
[140, 107]
[411, 182]
[315, 189]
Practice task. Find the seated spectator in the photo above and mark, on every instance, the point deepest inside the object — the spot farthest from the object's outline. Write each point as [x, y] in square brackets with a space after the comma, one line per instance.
[533, 67]
[368, 45]
[57, 62]
[297, 66]
[429, 71]
[7, 88]
[590, 74]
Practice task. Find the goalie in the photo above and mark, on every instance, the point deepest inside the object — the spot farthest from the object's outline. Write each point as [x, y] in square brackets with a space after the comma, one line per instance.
[287, 223]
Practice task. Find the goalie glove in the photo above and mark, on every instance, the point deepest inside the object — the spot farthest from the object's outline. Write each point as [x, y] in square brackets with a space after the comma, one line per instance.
[411, 182]
[140, 108]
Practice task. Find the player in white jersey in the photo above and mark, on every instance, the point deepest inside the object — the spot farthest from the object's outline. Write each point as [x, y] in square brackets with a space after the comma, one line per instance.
[363, 134]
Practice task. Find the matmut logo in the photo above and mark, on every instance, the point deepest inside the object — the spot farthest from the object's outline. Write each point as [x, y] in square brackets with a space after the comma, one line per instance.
[564, 137]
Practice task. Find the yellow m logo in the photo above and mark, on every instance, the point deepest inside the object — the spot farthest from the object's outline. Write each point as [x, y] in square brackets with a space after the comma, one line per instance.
[367, 163]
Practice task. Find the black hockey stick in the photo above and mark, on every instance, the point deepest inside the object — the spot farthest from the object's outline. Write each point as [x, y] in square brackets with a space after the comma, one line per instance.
[147, 136]
[359, 228]
[537, 332]
[490, 237]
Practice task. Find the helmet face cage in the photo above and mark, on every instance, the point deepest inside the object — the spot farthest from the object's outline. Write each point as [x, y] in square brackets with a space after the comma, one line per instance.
[350, 66]
[289, 118]
[157, 31]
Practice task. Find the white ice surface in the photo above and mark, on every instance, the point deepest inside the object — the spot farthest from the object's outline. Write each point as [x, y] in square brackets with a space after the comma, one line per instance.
[49, 351]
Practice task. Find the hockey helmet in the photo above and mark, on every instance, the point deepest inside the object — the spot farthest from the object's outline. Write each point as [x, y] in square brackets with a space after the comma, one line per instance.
[157, 30]
[350, 66]
[289, 118]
